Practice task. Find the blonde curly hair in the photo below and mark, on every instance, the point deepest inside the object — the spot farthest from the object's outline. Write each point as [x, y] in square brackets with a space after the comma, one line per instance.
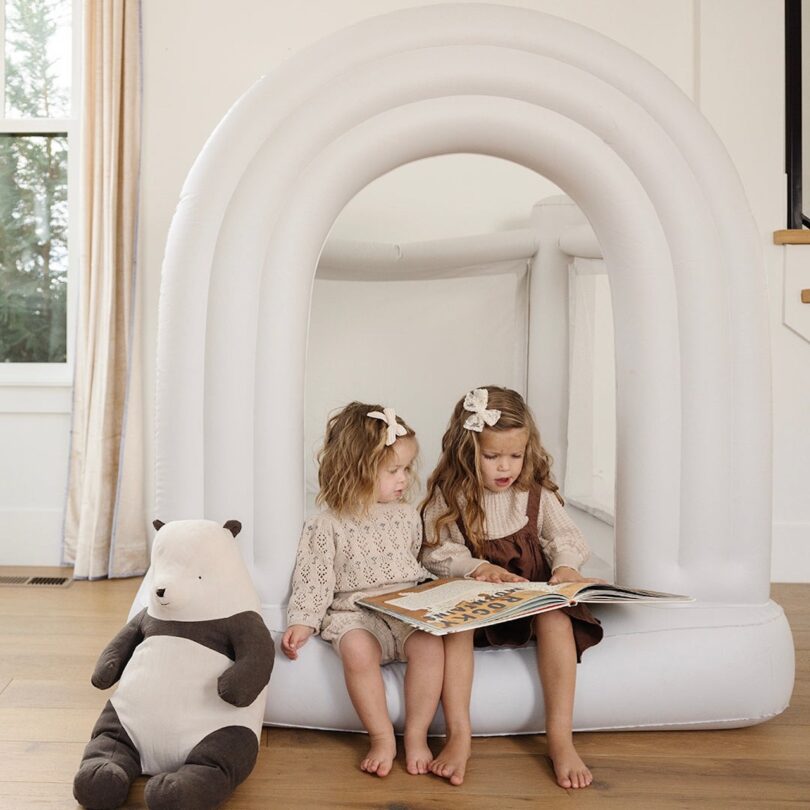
[353, 450]
[458, 475]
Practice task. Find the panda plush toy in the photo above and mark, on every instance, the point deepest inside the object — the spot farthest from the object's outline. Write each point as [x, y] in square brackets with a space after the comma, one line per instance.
[193, 668]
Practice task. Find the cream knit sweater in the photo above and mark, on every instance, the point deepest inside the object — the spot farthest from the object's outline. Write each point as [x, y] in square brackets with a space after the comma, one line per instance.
[342, 559]
[560, 539]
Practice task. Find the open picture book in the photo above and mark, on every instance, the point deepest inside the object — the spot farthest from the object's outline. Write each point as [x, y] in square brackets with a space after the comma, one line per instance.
[452, 604]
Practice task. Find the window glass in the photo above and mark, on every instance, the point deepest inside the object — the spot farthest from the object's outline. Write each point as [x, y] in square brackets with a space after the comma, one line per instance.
[33, 248]
[37, 58]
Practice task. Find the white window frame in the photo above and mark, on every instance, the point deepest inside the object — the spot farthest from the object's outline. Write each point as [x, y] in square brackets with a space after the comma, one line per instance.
[54, 374]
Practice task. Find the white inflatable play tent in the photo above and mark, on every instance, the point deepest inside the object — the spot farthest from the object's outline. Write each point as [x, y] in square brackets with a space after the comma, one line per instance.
[668, 217]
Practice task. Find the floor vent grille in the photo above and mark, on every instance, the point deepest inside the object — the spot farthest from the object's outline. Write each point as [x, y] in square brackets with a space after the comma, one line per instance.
[37, 582]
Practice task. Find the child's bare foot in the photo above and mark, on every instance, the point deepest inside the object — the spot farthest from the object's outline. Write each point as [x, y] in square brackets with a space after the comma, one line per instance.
[380, 755]
[451, 764]
[417, 754]
[570, 770]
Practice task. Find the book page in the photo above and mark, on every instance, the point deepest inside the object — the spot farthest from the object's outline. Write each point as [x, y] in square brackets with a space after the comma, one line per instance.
[449, 594]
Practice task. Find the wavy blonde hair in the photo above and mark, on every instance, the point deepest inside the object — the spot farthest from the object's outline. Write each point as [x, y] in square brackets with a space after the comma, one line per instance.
[458, 474]
[353, 450]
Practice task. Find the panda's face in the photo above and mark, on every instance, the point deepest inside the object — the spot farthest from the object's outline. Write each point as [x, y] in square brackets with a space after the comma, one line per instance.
[180, 581]
[197, 573]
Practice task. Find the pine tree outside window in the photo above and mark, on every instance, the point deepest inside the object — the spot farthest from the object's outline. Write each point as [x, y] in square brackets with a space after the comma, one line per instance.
[39, 150]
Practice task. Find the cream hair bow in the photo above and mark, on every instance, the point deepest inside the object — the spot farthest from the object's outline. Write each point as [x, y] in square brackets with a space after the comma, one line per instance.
[389, 416]
[476, 401]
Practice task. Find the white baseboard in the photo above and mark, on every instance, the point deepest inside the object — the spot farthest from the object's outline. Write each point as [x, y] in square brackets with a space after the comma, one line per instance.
[790, 552]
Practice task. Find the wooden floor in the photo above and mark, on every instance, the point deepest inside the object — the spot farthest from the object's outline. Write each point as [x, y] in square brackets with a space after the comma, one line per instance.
[50, 638]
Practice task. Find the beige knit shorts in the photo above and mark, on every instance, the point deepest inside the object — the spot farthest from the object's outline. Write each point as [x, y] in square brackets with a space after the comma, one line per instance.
[389, 632]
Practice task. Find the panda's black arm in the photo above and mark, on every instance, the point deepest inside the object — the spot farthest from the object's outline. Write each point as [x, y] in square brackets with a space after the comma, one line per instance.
[253, 646]
[116, 654]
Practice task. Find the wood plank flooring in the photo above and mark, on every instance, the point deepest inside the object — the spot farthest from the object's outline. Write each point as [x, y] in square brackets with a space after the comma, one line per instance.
[50, 638]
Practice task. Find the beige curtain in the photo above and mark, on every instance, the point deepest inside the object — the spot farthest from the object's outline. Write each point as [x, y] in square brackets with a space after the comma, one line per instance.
[105, 532]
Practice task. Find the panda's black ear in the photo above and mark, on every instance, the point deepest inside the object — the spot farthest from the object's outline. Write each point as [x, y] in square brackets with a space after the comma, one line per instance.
[233, 526]
[158, 524]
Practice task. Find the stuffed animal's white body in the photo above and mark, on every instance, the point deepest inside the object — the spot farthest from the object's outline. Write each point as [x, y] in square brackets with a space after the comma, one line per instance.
[164, 716]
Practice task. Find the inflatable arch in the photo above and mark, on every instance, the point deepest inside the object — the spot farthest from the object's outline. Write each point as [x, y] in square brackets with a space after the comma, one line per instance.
[691, 344]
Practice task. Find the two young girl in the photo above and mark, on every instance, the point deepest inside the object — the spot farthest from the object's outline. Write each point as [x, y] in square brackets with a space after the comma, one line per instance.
[493, 513]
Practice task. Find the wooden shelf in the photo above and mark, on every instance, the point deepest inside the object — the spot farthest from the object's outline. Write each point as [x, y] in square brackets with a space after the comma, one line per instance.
[798, 236]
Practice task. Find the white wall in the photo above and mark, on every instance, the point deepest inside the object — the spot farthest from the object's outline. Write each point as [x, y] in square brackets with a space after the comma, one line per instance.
[34, 437]
[201, 55]
[741, 92]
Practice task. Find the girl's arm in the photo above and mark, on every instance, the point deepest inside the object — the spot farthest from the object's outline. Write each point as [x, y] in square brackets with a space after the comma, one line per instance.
[482, 570]
[561, 540]
[313, 583]
[449, 557]
[487, 572]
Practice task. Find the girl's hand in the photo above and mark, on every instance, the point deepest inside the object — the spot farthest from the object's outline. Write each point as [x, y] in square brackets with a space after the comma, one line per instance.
[487, 572]
[566, 574]
[295, 636]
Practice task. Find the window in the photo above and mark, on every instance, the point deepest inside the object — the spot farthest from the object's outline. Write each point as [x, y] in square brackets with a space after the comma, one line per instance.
[38, 149]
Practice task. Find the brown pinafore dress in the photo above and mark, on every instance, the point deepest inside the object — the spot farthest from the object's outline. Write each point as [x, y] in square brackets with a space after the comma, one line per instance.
[521, 554]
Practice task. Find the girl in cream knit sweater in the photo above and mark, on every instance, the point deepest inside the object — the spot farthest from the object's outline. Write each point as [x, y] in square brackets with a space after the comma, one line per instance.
[367, 541]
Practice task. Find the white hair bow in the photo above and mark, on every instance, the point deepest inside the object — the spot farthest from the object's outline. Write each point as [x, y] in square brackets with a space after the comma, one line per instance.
[476, 401]
[389, 416]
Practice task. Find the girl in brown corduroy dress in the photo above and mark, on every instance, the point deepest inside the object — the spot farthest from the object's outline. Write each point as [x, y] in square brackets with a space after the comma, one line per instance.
[493, 513]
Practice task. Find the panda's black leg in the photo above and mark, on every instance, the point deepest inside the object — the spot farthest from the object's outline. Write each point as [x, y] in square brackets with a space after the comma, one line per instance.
[213, 769]
[109, 764]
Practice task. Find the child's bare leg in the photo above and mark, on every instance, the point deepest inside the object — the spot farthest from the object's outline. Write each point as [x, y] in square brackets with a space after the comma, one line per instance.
[557, 664]
[451, 763]
[361, 655]
[423, 686]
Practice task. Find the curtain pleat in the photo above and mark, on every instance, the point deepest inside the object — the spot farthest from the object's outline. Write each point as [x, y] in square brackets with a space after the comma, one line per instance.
[105, 531]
